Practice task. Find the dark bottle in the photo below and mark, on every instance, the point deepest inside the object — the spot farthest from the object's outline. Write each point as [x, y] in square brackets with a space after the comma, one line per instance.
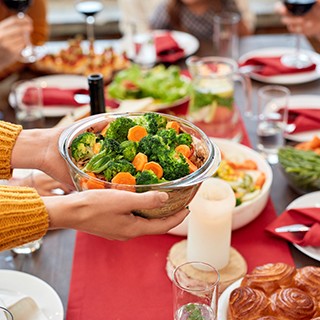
[299, 7]
[96, 91]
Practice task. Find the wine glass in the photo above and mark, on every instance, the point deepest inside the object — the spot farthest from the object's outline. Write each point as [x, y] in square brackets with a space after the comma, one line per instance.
[297, 59]
[89, 9]
[29, 53]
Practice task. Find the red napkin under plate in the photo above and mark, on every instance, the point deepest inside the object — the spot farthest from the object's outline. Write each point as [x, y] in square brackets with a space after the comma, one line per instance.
[167, 48]
[272, 66]
[56, 96]
[304, 119]
[307, 216]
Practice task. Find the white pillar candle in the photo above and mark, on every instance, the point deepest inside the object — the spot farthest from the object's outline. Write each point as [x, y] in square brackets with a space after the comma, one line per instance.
[210, 223]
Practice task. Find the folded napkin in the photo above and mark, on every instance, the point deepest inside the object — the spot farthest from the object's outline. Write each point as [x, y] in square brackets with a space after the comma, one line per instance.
[272, 66]
[307, 216]
[304, 119]
[167, 48]
[56, 96]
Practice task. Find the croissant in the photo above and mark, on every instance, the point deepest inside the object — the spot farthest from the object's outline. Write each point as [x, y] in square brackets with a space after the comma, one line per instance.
[247, 303]
[308, 279]
[292, 304]
[270, 277]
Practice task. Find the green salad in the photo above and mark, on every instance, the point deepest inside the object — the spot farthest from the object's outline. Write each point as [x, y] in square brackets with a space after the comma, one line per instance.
[165, 85]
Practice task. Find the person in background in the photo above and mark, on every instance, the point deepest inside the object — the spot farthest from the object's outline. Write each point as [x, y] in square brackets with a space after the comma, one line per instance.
[13, 31]
[25, 216]
[193, 16]
[308, 24]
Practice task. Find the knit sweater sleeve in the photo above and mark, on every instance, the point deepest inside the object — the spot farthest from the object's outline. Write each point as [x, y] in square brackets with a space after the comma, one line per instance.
[23, 216]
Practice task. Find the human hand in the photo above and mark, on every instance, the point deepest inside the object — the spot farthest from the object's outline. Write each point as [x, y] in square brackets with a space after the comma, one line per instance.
[308, 24]
[107, 213]
[13, 38]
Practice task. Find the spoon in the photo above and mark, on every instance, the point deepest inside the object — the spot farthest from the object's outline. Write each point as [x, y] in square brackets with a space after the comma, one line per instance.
[293, 228]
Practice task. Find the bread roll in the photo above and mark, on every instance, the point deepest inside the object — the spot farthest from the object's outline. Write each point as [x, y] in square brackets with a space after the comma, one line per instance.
[247, 303]
[292, 304]
[270, 277]
[308, 279]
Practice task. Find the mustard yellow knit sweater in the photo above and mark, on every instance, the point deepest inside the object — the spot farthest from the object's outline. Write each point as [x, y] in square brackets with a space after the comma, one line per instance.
[23, 216]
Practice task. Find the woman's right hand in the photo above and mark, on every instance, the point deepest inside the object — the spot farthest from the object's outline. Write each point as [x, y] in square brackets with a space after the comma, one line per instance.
[14, 33]
[108, 213]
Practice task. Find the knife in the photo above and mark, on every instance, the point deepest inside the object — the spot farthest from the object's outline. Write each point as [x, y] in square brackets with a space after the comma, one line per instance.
[293, 228]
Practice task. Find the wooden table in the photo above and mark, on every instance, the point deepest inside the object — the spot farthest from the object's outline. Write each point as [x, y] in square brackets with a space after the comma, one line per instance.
[54, 261]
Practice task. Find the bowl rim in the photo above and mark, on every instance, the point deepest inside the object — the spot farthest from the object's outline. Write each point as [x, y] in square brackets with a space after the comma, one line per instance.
[213, 159]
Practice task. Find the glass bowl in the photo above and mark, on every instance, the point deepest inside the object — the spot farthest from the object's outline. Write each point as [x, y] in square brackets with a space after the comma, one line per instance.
[180, 191]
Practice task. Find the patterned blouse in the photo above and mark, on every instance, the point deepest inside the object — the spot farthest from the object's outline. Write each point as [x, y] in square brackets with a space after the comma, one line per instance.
[201, 26]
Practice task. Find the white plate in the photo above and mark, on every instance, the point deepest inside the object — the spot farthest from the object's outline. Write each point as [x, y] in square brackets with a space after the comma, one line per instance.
[295, 78]
[307, 200]
[248, 210]
[224, 300]
[304, 102]
[186, 41]
[62, 82]
[15, 285]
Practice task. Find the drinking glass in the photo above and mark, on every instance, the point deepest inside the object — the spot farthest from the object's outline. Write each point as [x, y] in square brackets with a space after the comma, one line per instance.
[89, 9]
[5, 314]
[29, 53]
[195, 291]
[26, 98]
[298, 59]
[272, 120]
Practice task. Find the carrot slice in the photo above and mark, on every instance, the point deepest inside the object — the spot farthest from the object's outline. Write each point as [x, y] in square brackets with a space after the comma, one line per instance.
[139, 161]
[92, 184]
[124, 178]
[261, 180]
[155, 167]
[173, 125]
[192, 166]
[184, 150]
[136, 133]
[104, 130]
[96, 147]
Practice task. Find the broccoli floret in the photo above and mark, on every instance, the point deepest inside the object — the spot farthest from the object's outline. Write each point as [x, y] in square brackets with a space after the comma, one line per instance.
[110, 150]
[174, 165]
[184, 138]
[118, 129]
[82, 146]
[114, 167]
[152, 146]
[129, 149]
[146, 177]
[169, 137]
[152, 122]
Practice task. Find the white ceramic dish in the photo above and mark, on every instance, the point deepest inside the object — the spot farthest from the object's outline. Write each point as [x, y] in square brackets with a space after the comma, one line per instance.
[307, 200]
[304, 102]
[15, 285]
[58, 81]
[186, 41]
[295, 78]
[224, 300]
[249, 210]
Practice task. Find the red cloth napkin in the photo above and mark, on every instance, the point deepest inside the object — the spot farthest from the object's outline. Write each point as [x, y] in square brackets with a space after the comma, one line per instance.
[56, 96]
[307, 216]
[305, 119]
[167, 48]
[272, 66]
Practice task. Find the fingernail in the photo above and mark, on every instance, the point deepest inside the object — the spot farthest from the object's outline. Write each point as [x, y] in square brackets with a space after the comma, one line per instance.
[163, 196]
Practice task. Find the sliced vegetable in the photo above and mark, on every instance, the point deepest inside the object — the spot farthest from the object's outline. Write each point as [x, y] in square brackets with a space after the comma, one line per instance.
[155, 167]
[124, 178]
[173, 125]
[136, 133]
[139, 161]
[184, 150]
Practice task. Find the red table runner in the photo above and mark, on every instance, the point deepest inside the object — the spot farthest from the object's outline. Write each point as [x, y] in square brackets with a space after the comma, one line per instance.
[114, 280]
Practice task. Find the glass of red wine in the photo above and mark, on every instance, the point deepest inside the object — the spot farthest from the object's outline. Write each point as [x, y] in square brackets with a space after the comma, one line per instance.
[29, 53]
[89, 9]
[298, 59]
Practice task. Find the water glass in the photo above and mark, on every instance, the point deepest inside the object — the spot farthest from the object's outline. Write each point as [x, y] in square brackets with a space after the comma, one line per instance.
[195, 291]
[272, 120]
[5, 314]
[226, 34]
[26, 97]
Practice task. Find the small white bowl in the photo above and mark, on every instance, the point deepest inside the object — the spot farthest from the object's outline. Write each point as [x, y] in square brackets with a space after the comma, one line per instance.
[249, 210]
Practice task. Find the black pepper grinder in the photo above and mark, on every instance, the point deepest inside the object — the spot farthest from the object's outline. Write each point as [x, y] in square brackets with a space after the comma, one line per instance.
[96, 92]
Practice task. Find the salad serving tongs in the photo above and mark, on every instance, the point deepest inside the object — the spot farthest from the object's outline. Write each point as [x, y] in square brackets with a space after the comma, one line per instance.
[293, 228]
